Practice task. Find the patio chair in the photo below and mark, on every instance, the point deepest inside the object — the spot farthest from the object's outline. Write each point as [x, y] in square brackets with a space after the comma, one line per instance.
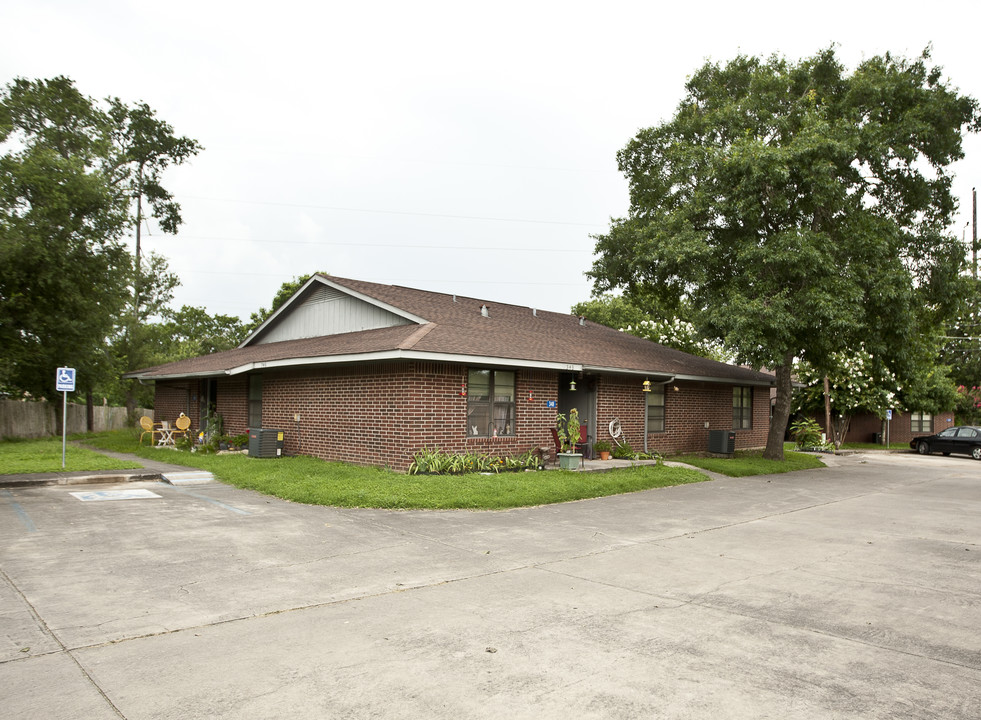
[182, 425]
[149, 428]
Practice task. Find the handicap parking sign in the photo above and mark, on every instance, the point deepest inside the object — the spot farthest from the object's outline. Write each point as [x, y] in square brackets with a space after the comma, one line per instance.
[65, 379]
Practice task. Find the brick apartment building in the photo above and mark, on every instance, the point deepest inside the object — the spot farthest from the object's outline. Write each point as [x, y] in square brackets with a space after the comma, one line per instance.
[369, 374]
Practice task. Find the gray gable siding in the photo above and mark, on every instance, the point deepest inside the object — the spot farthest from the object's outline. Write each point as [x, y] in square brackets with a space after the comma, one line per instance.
[329, 312]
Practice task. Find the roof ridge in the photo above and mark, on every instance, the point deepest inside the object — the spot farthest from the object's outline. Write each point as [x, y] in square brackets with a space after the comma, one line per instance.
[419, 334]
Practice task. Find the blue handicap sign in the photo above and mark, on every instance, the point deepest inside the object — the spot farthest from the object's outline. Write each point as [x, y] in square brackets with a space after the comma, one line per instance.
[65, 379]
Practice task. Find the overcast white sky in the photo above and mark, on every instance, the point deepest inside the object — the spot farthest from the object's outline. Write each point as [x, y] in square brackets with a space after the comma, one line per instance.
[452, 146]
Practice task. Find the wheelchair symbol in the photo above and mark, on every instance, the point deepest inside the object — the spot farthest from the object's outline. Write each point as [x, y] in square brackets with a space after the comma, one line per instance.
[65, 379]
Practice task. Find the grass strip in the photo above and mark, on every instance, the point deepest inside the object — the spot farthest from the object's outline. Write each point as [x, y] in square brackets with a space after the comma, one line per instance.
[44, 456]
[750, 462]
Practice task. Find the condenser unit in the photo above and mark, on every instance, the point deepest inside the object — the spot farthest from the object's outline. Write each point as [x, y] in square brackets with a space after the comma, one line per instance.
[722, 442]
[265, 442]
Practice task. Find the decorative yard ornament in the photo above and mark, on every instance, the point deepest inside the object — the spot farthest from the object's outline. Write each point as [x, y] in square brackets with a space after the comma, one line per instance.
[647, 385]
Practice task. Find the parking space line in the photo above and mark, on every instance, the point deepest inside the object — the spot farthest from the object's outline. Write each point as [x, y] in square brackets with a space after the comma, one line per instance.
[21, 512]
[212, 501]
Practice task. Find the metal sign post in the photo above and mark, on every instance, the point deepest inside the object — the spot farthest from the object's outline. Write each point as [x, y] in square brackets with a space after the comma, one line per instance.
[888, 422]
[65, 383]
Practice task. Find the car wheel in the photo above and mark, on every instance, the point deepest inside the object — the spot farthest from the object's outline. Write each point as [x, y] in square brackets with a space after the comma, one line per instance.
[976, 452]
[923, 448]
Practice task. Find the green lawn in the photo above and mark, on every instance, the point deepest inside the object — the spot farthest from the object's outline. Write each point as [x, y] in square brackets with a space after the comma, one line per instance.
[752, 463]
[44, 456]
[316, 482]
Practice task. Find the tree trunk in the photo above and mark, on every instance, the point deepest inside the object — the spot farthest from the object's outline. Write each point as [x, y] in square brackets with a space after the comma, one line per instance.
[130, 401]
[781, 410]
[89, 412]
[841, 425]
[827, 410]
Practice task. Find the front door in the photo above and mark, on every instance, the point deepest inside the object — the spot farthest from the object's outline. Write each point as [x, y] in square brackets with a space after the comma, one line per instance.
[582, 398]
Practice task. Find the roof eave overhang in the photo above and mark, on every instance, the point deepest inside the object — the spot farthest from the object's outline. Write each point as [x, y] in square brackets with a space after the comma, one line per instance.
[144, 377]
[462, 359]
[658, 376]
[402, 355]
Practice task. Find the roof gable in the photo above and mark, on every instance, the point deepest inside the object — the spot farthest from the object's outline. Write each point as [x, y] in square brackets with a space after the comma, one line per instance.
[322, 308]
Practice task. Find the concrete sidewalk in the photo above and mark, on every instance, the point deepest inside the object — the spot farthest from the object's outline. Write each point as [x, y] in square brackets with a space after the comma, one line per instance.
[149, 470]
[852, 592]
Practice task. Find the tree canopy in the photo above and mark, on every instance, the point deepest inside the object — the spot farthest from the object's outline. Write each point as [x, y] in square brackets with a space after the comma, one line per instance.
[798, 210]
[63, 264]
[73, 176]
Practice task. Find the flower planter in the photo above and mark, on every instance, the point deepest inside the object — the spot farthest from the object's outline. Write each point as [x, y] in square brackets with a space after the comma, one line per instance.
[604, 455]
[570, 461]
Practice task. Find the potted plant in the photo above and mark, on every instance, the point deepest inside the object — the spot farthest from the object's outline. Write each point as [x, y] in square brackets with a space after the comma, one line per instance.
[567, 430]
[603, 448]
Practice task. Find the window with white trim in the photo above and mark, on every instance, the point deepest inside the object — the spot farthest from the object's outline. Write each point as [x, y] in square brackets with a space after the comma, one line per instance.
[655, 409]
[742, 408]
[490, 403]
[920, 422]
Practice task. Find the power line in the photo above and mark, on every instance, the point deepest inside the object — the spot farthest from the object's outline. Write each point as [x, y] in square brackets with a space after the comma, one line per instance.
[407, 246]
[394, 212]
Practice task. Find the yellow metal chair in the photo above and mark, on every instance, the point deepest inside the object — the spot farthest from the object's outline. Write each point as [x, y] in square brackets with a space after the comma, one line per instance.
[149, 428]
[182, 425]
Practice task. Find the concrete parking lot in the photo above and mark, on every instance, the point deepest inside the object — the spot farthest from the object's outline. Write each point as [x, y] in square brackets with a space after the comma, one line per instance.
[848, 592]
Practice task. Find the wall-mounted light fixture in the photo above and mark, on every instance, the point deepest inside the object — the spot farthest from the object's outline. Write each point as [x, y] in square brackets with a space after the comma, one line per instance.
[676, 388]
[647, 385]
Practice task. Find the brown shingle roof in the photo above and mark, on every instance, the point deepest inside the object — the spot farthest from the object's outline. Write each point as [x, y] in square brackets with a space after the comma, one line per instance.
[456, 327]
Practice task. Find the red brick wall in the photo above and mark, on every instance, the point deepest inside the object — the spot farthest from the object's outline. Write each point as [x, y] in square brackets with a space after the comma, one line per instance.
[382, 414]
[686, 412]
[233, 404]
[172, 398]
[688, 409]
[863, 427]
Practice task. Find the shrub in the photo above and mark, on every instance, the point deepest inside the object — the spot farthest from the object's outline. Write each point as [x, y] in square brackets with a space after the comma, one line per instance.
[806, 433]
[436, 462]
[623, 451]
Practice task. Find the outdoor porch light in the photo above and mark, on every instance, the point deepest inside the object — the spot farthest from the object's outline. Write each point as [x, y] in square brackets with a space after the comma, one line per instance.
[647, 385]
[572, 384]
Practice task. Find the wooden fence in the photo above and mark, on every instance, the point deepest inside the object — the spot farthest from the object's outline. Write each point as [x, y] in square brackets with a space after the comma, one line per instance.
[33, 419]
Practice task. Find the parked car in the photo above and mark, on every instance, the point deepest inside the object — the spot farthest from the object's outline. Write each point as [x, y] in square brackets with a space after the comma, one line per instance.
[964, 440]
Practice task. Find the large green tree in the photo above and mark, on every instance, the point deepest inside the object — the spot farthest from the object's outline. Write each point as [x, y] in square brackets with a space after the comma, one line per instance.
[672, 331]
[75, 175]
[63, 265]
[799, 210]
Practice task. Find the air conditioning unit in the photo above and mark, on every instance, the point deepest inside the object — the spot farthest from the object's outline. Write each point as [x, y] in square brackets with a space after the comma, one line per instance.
[265, 443]
[722, 442]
